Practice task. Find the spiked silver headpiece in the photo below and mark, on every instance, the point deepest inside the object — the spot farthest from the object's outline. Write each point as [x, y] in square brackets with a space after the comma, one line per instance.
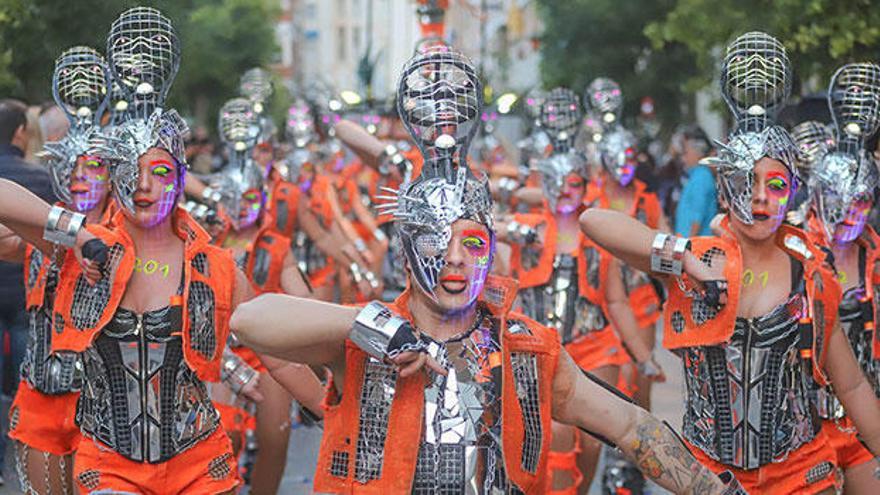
[848, 172]
[439, 101]
[554, 169]
[143, 52]
[232, 183]
[79, 85]
[755, 83]
[163, 129]
[617, 152]
[561, 118]
[604, 99]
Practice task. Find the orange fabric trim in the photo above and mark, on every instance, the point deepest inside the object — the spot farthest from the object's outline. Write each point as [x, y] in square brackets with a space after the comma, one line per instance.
[645, 305]
[35, 290]
[284, 195]
[277, 245]
[565, 461]
[541, 273]
[44, 422]
[220, 279]
[341, 420]
[597, 349]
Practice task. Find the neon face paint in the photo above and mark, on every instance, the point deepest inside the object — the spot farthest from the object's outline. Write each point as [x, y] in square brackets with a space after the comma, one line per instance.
[88, 185]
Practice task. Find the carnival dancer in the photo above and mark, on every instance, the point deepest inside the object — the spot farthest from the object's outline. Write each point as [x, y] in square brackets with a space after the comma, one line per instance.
[478, 418]
[564, 283]
[843, 183]
[42, 413]
[154, 327]
[265, 257]
[752, 346]
[813, 139]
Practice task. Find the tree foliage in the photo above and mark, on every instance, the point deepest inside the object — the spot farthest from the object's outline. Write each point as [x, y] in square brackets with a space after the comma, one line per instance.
[585, 39]
[820, 35]
[220, 40]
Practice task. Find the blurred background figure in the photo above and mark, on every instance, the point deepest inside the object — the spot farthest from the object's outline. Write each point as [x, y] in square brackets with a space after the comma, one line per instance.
[698, 202]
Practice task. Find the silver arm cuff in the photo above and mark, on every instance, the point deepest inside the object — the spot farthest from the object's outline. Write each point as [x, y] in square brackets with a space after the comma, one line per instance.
[374, 328]
[67, 236]
[521, 234]
[234, 372]
[667, 254]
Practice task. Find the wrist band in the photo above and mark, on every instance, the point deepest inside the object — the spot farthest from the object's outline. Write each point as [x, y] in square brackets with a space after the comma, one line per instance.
[234, 372]
[649, 368]
[381, 334]
[67, 236]
[667, 254]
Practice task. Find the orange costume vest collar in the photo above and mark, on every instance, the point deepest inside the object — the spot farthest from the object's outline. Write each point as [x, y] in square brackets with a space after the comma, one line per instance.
[347, 459]
[645, 207]
[82, 311]
[682, 329]
[265, 260]
[281, 207]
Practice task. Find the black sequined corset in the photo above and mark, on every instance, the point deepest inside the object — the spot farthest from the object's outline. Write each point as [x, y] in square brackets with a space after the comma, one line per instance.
[139, 396]
[748, 401]
[47, 372]
[557, 304]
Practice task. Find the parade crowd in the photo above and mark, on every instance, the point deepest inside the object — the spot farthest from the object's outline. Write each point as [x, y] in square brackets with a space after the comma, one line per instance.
[457, 313]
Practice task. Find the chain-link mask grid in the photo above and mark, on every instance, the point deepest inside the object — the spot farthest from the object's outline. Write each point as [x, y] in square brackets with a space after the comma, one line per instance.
[144, 54]
[533, 102]
[79, 84]
[561, 118]
[604, 98]
[79, 89]
[439, 98]
[118, 102]
[854, 102]
[813, 139]
[837, 183]
[755, 79]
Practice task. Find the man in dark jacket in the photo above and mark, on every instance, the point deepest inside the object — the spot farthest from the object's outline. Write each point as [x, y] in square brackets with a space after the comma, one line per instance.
[13, 318]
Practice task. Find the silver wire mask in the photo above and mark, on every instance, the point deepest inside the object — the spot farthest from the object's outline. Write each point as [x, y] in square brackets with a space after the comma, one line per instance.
[839, 181]
[233, 183]
[79, 88]
[854, 102]
[561, 118]
[617, 153]
[440, 101]
[555, 169]
[300, 125]
[814, 140]
[237, 125]
[256, 85]
[755, 83]
[144, 54]
[604, 98]
[439, 98]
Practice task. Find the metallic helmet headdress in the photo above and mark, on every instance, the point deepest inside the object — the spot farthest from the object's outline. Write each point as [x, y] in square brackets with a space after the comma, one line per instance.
[554, 169]
[604, 98]
[256, 85]
[755, 83]
[854, 101]
[79, 89]
[300, 124]
[238, 127]
[848, 172]
[233, 182]
[813, 139]
[439, 97]
[144, 54]
[617, 152]
[439, 100]
[163, 129]
[561, 118]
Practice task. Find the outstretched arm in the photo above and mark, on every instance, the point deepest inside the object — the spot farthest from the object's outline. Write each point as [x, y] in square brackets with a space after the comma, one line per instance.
[12, 247]
[625, 237]
[853, 390]
[643, 438]
[366, 146]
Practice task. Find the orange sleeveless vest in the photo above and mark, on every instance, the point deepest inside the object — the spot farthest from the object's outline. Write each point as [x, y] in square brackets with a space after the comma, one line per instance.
[281, 207]
[265, 260]
[689, 324]
[82, 311]
[337, 458]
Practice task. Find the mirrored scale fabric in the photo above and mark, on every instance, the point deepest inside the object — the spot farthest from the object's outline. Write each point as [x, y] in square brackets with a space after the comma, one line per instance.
[748, 402]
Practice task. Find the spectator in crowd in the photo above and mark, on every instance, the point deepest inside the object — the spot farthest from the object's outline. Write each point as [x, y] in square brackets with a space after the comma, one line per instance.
[698, 203]
[14, 139]
[53, 123]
